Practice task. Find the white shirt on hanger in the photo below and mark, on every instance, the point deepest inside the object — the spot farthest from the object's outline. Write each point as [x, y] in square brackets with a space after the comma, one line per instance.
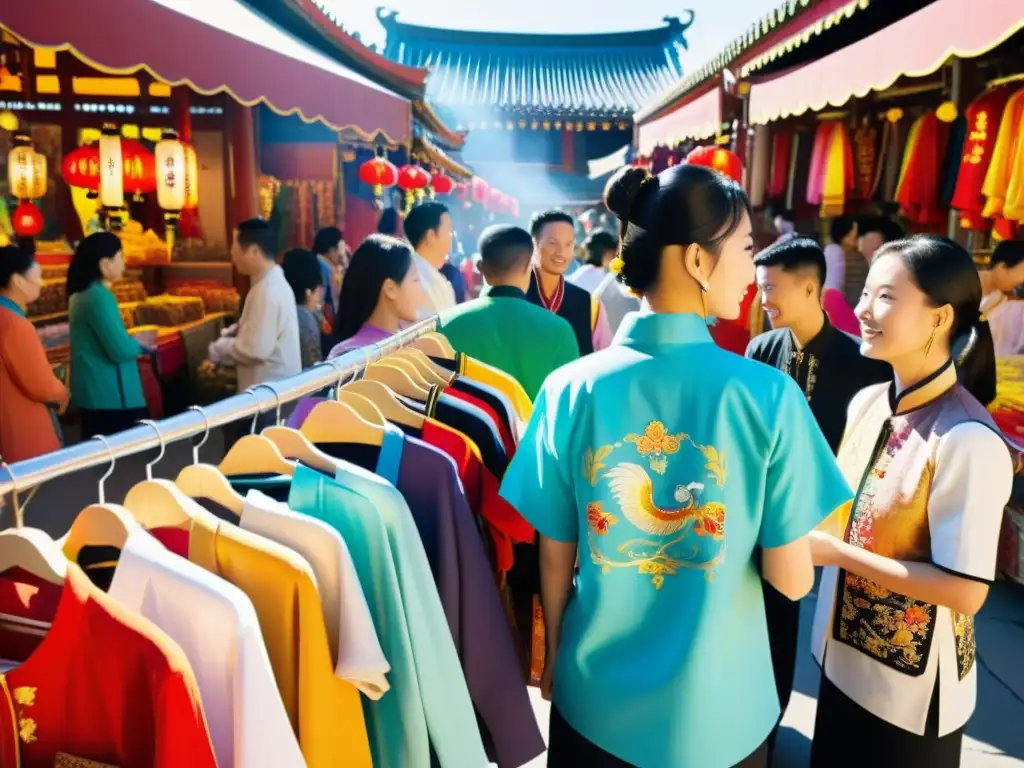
[437, 291]
[350, 631]
[215, 624]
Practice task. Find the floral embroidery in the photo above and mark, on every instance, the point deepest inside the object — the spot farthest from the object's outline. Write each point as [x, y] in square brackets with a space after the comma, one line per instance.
[22, 698]
[599, 520]
[593, 462]
[657, 444]
[963, 631]
[893, 628]
[25, 696]
[715, 463]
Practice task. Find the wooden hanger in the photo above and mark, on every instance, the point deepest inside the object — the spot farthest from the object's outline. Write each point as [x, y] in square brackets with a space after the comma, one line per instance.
[205, 481]
[294, 445]
[34, 552]
[384, 400]
[255, 454]
[429, 370]
[396, 379]
[362, 405]
[98, 525]
[161, 504]
[411, 369]
[334, 422]
[435, 345]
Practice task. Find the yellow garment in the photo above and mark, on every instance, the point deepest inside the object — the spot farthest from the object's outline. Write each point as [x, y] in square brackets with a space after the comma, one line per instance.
[325, 711]
[512, 389]
[595, 312]
[1006, 155]
[908, 152]
[833, 199]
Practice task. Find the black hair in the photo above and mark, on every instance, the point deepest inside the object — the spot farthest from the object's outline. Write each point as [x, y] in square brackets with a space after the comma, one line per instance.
[792, 255]
[327, 238]
[503, 248]
[84, 269]
[544, 218]
[785, 213]
[840, 227]
[423, 218]
[883, 225]
[682, 205]
[1008, 252]
[597, 245]
[377, 259]
[302, 271]
[258, 232]
[945, 273]
[14, 260]
[388, 224]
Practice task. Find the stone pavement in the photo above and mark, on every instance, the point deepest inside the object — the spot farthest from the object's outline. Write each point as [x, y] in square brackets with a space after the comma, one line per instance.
[995, 735]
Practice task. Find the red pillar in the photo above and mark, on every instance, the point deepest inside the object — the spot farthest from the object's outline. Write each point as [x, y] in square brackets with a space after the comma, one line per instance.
[243, 191]
[568, 151]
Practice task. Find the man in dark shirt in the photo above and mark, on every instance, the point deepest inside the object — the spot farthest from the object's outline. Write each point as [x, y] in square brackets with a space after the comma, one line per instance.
[830, 370]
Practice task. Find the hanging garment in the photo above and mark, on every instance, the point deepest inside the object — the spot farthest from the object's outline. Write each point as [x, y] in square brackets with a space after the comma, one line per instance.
[216, 626]
[326, 712]
[983, 119]
[865, 143]
[1004, 158]
[136, 707]
[464, 365]
[839, 180]
[819, 157]
[918, 188]
[951, 160]
[782, 146]
[355, 647]
[429, 693]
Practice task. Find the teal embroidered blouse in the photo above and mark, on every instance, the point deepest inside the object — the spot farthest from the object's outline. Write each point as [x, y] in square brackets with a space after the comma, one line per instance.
[669, 461]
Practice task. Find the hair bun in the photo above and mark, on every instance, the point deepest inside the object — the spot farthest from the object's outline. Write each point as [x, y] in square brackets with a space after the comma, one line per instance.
[623, 188]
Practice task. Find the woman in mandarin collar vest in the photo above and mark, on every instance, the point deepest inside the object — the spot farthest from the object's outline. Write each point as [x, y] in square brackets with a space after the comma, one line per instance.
[910, 560]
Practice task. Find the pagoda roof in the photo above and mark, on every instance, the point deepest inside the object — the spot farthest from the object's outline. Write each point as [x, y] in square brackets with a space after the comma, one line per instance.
[552, 75]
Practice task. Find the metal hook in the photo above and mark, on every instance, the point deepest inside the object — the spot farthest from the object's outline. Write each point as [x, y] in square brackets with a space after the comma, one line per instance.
[163, 446]
[110, 470]
[259, 410]
[19, 518]
[277, 401]
[206, 434]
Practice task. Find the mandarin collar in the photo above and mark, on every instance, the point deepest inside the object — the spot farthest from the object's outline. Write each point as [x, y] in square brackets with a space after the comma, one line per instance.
[820, 341]
[655, 328]
[503, 292]
[924, 392]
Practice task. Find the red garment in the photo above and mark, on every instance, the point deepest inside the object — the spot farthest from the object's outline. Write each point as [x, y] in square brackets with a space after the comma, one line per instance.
[918, 193]
[504, 431]
[734, 335]
[778, 181]
[983, 118]
[506, 525]
[104, 684]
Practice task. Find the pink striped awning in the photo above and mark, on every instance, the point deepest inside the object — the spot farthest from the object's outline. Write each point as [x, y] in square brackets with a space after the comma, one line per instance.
[213, 46]
[698, 118]
[916, 46]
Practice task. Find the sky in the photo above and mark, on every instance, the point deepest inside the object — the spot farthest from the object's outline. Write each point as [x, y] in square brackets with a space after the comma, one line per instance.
[716, 24]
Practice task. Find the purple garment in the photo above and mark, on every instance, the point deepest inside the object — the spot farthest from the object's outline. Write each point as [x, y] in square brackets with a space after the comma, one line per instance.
[429, 482]
[368, 334]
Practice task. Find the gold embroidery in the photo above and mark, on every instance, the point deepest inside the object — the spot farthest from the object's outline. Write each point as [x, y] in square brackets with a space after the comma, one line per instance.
[599, 520]
[25, 697]
[14, 719]
[715, 462]
[963, 631]
[593, 462]
[657, 444]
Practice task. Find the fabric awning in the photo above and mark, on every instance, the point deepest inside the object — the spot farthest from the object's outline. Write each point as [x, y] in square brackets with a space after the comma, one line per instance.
[699, 118]
[916, 46]
[213, 46]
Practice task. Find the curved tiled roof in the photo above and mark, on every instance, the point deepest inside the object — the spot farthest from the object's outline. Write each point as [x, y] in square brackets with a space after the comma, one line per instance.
[543, 75]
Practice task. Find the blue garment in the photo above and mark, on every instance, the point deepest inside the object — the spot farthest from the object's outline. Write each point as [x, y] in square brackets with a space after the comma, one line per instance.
[454, 276]
[670, 460]
[12, 306]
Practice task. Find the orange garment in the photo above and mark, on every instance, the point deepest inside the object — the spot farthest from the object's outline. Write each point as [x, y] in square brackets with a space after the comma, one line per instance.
[27, 384]
[839, 181]
[104, 684]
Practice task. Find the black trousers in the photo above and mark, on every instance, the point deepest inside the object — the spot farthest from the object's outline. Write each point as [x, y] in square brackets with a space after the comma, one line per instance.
[568, 749]
[110, 422]
[783, 618]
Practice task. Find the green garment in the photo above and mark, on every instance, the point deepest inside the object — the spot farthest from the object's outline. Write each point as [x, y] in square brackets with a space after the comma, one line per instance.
[104, 364]
[506, 331]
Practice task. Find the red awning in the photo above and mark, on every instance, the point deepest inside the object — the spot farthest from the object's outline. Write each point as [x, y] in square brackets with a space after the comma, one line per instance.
[698, 118]
[213, 46]
[916, 46]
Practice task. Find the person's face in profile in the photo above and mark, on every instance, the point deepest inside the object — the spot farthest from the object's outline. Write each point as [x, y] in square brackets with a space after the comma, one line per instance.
[556, 247]
[868, 243]
[732, 274]
[786, 297]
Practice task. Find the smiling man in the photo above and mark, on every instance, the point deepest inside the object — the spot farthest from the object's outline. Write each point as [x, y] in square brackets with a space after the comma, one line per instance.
[554, 242]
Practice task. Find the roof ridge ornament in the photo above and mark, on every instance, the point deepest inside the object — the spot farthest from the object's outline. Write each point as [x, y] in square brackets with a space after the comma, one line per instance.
[386, 15]
[676, 26]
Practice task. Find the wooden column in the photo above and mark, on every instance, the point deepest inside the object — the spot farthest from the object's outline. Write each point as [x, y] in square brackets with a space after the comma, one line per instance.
[243, 190]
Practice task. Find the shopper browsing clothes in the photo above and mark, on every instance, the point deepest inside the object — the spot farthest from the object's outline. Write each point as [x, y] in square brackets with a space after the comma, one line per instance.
[302, 271]
[661, 465]
[910, 561]
[105, 380]
[30, 394]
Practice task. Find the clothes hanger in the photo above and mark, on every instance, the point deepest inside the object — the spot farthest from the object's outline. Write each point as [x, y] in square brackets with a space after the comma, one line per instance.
[410, 368]
[384, 400]
[30, 549]
[99, 524]
[160, 503]
[436, 345]
[293, 444]
[397, 380]
[429, 370]
[255, 454]
[332, 421]
[205, 481]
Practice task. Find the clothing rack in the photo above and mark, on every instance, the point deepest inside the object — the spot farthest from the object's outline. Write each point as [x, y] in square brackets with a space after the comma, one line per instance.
[24, 475]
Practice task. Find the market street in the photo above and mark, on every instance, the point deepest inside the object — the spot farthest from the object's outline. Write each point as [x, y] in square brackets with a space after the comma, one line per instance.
[994, 736]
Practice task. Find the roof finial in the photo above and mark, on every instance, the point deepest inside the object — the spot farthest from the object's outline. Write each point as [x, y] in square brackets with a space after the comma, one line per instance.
[386, 15]
[677, 27]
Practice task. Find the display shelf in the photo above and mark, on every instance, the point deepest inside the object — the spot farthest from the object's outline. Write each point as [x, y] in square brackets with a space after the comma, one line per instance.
[50, 318]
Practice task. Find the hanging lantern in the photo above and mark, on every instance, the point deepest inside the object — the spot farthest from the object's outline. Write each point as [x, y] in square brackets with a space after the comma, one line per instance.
[27, 219]
[947, 112]
[139, 168]
[8, 121]
[191, 178]
[81, 168]
[718, 159]
[379, 174]
[492, 203]
[462, 191]
[442, 184]
[39, 178]
[412, 180]
[177, 176]
[478, 190]
[23, 169]
[111, 167]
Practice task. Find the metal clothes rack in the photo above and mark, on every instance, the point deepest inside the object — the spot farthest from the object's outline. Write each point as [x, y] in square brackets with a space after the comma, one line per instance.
[24, 475]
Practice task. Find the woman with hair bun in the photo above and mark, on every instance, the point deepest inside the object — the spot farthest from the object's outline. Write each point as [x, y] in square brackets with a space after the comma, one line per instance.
[910, 560]
[663, 465]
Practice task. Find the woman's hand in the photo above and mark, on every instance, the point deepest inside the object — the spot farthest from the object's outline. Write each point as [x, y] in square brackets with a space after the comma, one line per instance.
[824, 548]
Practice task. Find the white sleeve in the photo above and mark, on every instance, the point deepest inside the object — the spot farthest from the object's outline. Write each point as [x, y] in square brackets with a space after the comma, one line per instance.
[972, 483]
[257, 329]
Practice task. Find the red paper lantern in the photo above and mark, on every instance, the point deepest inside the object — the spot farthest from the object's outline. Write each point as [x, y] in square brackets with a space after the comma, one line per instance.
[718, 159]
[462, 191]
[379, 174]
[412, 178]
[81, 168]
[27, 220]
[493, 202]
[478, 190]
[441, 183]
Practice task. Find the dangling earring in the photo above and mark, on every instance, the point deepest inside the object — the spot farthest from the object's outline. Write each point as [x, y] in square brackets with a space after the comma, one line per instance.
[928, 346]
[703, 298]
